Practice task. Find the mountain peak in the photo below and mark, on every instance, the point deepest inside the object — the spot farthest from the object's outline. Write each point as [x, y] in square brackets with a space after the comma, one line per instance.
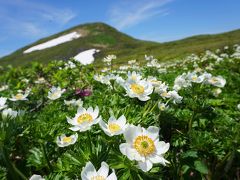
[108, 40]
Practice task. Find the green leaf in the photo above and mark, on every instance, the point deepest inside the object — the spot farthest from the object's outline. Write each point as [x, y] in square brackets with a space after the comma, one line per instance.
[190, 154]
[201, 167]
[185, 168]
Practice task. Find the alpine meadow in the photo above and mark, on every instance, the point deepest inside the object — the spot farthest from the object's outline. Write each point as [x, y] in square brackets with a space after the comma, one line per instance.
[94, 103]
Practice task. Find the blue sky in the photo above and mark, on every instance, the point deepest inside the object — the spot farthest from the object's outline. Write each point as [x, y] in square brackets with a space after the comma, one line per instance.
[25, 21]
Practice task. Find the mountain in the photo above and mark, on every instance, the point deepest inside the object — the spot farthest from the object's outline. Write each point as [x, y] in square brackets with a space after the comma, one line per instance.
[110, 41]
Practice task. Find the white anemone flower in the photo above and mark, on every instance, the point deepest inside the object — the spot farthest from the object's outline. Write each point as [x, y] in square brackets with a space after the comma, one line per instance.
[154, 81]
[218, 81]
[216, 92]
[181, 81]
[36, 177]
[55, 93]
[175, 97]
[89, 172]
[238, 106]
[40, 80]
[139, 89]
[165, 94]
[193, 77]
[3, 103]
[114, 126]
[161, 88]
[143, 145]
[9, 113]
[162, 106]
[84, 119]
[74, 102]
[63, 140]
[133, 77]
[20, 96]
[4, 87]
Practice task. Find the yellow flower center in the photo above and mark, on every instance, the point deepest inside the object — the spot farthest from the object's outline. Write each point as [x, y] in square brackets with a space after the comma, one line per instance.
[97, 178]
[194, 78]
[55, 94]
[113, 127]
[84, 118]
[138, 89]
[144, 145]
[214, 80]
[164, 94]
[19, 96]
[162, 107]
[67, 139]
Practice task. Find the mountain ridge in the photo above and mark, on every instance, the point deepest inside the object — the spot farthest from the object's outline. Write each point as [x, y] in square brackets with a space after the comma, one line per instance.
[111, 41]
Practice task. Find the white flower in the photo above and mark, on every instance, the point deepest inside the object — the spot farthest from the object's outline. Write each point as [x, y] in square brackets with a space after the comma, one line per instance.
[175, 97]
[84, 119]
[165, 94]
[216, 92]
[74, 102]
[70, 65]
[36, 177]
[25, 80]
[154, 81]
[55, 93]
[131, 62]
[133, 77]
[162, 106]
[2, 88]
[206, 76]
[139, 89]
[40, 80]
[193, 77]
[238, 106]
[162, 88]
[113, 126]
[63, 140]
[3, 103]
[143, 145]
[218, 81]
[9, 113]
[149, 58]
[109, 58]
[20, 96]
[180, 82]
[89, 172]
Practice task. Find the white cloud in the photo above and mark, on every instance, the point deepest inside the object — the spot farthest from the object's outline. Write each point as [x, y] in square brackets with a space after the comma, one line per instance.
[129, 13]
[33, 19]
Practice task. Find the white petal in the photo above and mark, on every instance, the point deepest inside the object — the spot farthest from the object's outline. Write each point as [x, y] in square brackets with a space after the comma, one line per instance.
[131, 133]
[111, 120]
[104, 169]
[145, 166]
[158, 159]
[122, 120]
[143, 98]
[89, 168]
[96, 112]
[90, 110]
[81, 110]
[152, 132]
[162, 147]
[112, 176]
[75, 128]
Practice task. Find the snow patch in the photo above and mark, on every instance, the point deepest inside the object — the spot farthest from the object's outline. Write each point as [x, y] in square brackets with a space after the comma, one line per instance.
[54, 42]
[86, 57]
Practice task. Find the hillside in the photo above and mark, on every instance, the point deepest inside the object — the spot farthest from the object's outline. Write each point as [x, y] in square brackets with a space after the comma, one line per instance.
[110, 41]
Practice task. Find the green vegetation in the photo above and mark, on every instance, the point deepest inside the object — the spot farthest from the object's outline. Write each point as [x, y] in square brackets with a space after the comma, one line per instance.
[111, 41]
[201, 122]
